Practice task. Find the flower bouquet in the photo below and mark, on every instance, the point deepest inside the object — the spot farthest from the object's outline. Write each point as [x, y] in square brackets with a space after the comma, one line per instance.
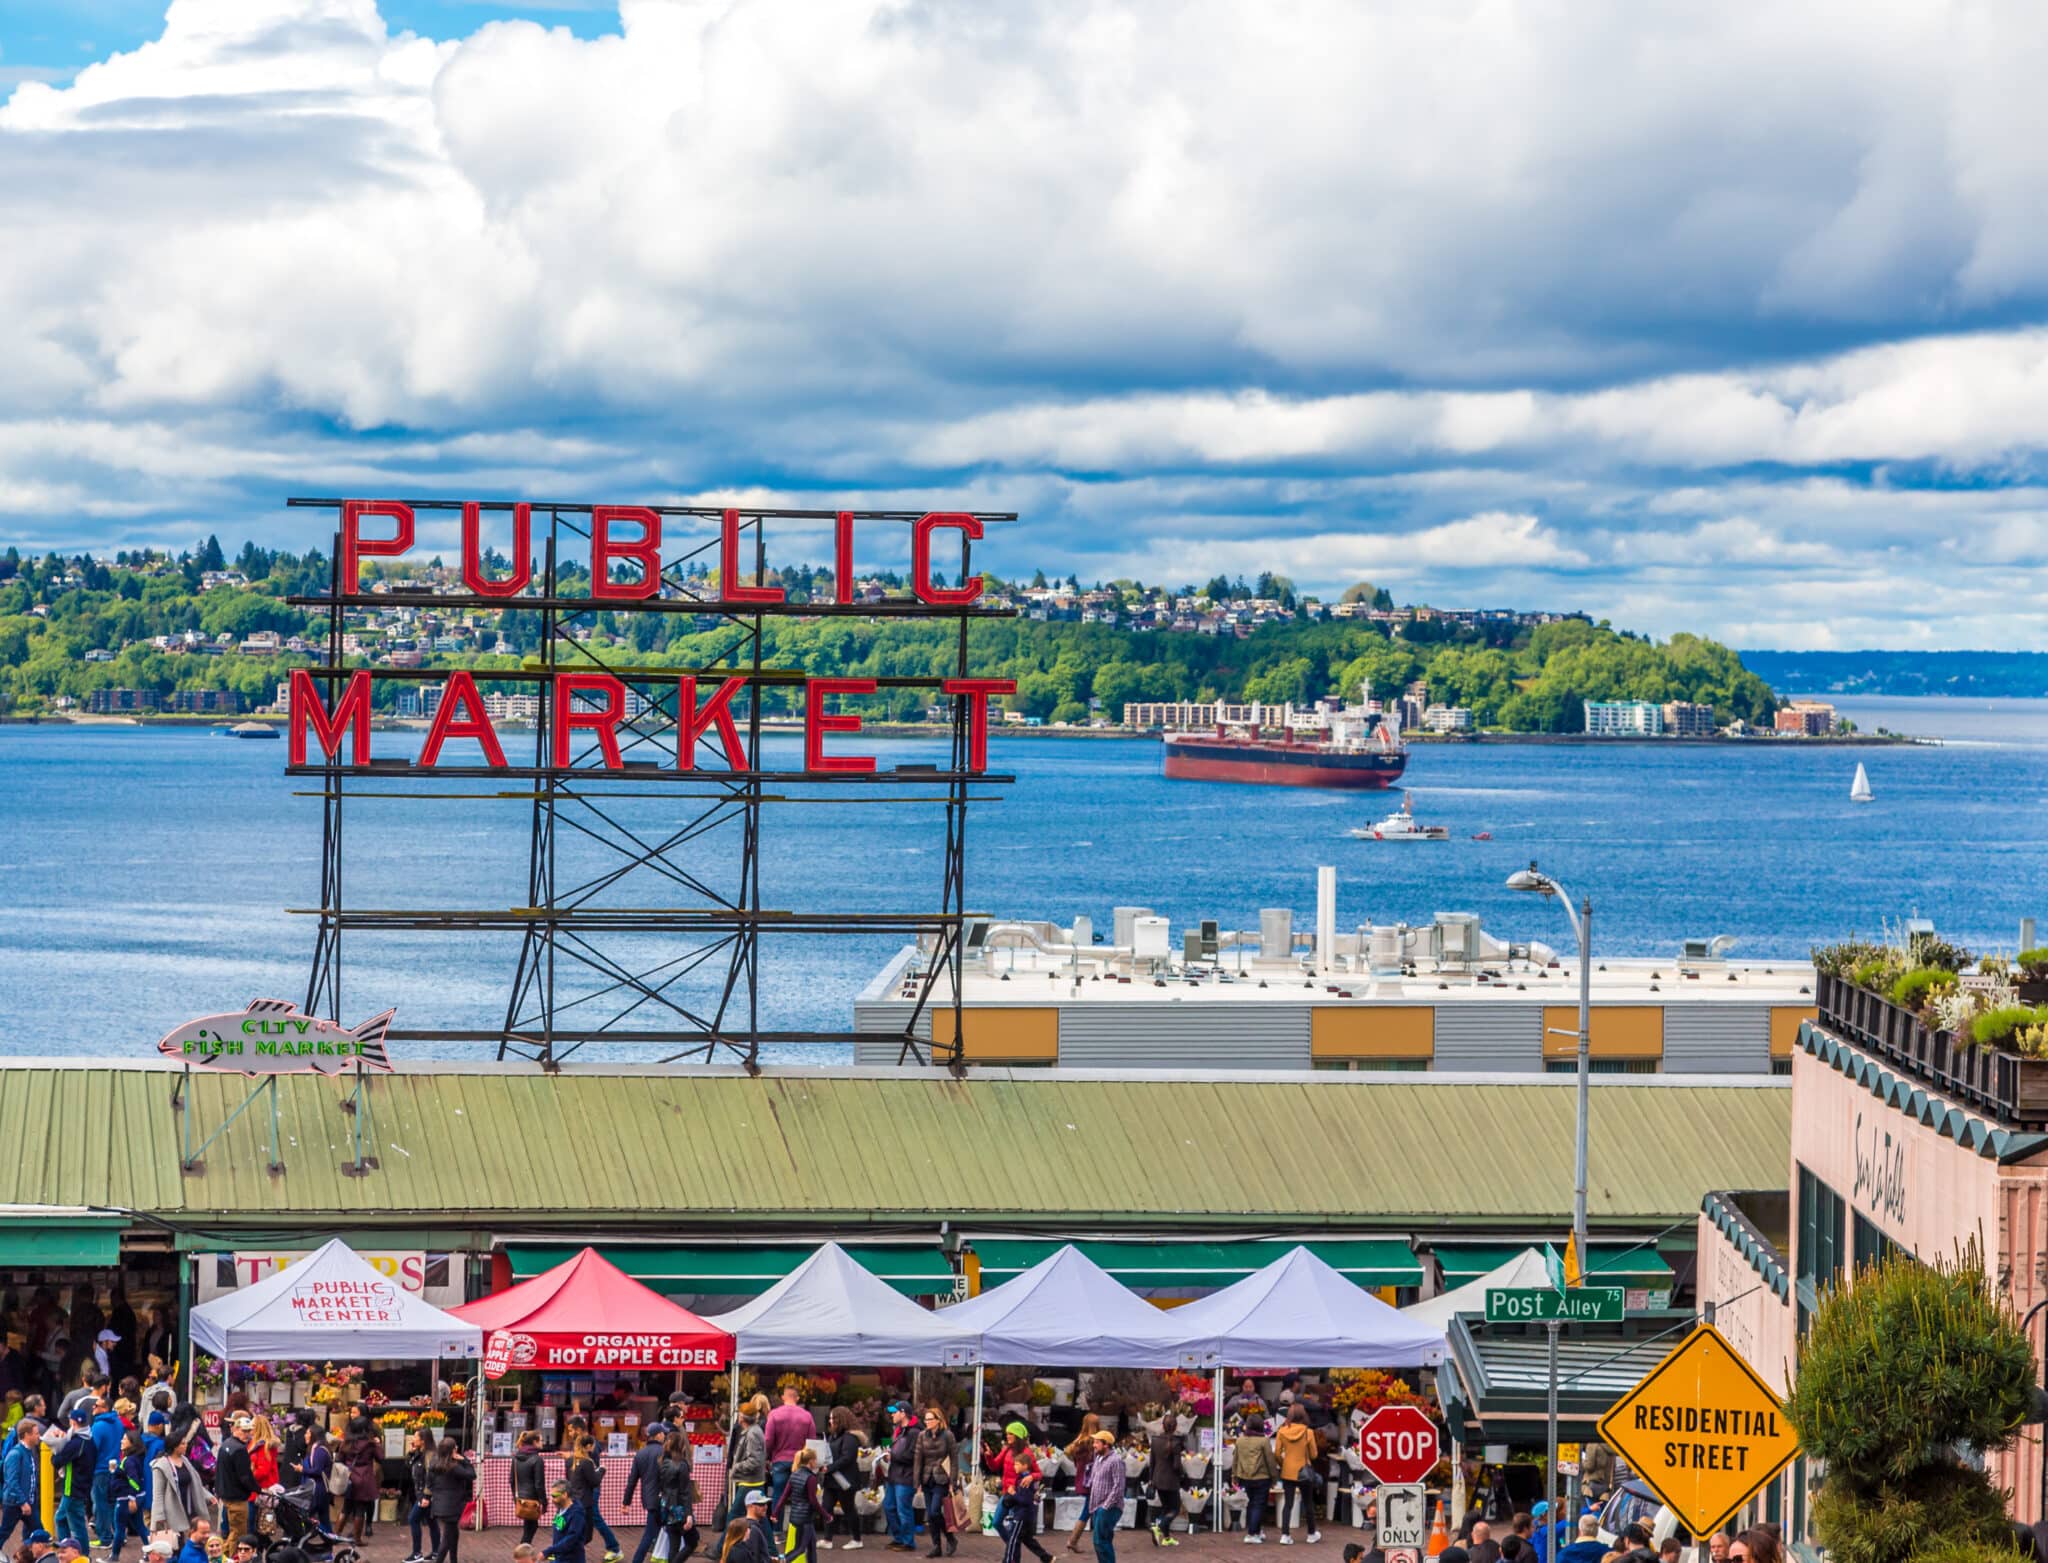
[868, 1501]
[433, 1419]
[376, 1400]
[1195, 1500]
[395, 1419]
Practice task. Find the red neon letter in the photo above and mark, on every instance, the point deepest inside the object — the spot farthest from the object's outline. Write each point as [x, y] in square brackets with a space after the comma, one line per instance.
[604, 721]
[355, 546]
[977, 691]
[603, 550]
[692, 719]
[818, 722]
[460, 695]
[353, 708]
[921, 559]
[473, 555]
[729, 586]
[842, 556]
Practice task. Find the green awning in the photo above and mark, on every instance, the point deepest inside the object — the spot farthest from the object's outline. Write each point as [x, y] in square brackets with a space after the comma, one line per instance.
[31, 1242]
[1167, 1266]
[1612, 1264]
[740, 1269]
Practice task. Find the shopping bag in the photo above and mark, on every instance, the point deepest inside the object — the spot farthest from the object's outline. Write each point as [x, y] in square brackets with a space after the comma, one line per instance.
[661, 1546]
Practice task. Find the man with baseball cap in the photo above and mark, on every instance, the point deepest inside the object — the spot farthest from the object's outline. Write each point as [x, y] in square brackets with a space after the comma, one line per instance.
[39, 1546]
[234, 1478]
[72, 1463]
[760, 1532]
[898, 1504]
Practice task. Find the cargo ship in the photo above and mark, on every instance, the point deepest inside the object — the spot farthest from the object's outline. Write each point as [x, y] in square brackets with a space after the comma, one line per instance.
[1361, 751]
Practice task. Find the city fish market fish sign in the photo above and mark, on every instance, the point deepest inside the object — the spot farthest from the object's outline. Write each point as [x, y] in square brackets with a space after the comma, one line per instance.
[271, 1037]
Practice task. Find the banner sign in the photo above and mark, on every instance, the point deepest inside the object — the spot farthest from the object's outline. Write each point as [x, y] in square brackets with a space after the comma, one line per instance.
[272, 1037]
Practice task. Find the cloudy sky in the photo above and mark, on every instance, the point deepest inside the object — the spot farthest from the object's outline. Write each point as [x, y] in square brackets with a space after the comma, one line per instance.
[1693, 316]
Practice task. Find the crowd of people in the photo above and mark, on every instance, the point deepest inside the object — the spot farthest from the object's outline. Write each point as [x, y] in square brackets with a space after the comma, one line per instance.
[135, 1461]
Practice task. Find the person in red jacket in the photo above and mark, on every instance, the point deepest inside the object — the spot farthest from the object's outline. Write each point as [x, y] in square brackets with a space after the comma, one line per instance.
[1017, 1511]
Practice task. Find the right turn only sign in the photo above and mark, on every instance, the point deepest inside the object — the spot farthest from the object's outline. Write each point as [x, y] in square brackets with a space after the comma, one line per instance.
[1703, 1430]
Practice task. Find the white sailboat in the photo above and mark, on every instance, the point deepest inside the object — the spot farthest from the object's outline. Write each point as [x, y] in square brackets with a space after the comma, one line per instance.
[1859, 789]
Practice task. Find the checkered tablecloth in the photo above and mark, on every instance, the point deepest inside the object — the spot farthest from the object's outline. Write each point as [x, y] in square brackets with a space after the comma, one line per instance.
[494, 1489]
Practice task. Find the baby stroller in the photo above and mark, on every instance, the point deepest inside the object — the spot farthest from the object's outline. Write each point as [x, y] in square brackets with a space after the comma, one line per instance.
[292, 1510]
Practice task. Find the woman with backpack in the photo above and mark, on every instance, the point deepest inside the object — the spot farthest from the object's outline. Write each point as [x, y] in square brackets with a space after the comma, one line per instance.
[362, 1457]
[450, 1481]
[675, 1487]
[319, 1469]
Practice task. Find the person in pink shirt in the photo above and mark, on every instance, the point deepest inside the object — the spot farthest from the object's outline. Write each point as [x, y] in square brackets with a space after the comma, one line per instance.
[789, 1428]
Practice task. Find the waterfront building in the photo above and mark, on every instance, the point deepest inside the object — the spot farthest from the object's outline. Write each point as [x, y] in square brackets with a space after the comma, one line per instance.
[1624, 719]
[1446, 997]
[107, 702]
[1688, 719]
[1805, 719]
[221, 701]
[1448, 719]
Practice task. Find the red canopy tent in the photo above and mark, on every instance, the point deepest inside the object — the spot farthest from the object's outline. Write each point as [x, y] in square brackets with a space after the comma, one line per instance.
[588, 1313]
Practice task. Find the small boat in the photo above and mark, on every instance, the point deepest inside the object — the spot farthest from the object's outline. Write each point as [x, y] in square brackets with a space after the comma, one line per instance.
[1401, 826]
[252, 730]
[1482, 835]
[1859, 789]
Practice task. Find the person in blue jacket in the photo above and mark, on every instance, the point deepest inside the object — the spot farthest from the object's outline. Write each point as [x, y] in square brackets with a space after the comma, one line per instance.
[572, 1529]
[72, 1463]
[194, 1550]
[153, 1433]
[106, 1473]
[131, 1492]
[19, 1472]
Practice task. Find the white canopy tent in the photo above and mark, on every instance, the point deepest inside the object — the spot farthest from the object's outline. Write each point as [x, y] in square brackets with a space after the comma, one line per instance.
[833, 1311]
[1065, 1309]
[1299, 1310]
[328, 1305]
[1526, 1269]
[1068, 1309]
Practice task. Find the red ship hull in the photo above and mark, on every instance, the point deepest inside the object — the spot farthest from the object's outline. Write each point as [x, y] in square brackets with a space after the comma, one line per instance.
[1281, 765]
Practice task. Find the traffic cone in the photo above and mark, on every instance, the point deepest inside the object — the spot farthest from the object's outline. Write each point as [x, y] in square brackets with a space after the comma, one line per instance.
[1439, 1533]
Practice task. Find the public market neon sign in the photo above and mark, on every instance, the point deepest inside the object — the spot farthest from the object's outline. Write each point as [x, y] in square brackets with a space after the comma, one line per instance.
[594, 702]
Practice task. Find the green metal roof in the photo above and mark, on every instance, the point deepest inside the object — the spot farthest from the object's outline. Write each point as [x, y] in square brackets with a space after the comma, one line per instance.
[669, 1151]
[741, 1269]
[1163, 1266]
[1629, 1264]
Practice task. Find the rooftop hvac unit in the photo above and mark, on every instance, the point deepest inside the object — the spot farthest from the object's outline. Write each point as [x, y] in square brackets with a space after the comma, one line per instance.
[1083, 932]
[1457, 938]
[1276, 933]
[1210, 937]
[1384, 952]
[1151, 937]
[1121, 921]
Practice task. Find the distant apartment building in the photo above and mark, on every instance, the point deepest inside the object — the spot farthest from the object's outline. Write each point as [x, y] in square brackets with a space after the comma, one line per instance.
[1805, 719]
[1448, 719]
[1624, 719]
[1687, 719]
[422, 700]
[512, 708]
[223, 702]
[264, 643]
[107, 702]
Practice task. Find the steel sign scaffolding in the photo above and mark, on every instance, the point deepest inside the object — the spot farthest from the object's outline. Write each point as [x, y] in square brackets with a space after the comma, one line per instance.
[603, 956]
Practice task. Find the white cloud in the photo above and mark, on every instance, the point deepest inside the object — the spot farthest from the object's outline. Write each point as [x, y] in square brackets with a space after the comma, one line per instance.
[1333, 288]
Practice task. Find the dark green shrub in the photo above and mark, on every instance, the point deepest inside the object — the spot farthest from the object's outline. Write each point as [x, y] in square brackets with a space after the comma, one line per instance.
[1914, 988]
[1876, 972]
[1898, 1369]
[2032, 963]
[1942, 1507]
[2000, 1027]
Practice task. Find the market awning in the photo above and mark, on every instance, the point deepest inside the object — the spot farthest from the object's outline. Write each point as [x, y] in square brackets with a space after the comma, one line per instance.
[741, 1269]
[32, 1238]
[1612, 1264]
[1495, 1381]
[1169, 1266]
[584, 1313]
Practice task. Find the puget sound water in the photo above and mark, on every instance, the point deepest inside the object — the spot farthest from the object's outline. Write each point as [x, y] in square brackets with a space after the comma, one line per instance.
[146, 874]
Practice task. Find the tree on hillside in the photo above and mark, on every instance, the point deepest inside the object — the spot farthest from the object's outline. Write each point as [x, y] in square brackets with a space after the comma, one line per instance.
[1359, 591]
[210, 556]
[1901, 1373]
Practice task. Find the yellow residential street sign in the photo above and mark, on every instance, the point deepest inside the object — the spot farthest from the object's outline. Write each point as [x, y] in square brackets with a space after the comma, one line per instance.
[1703, 1430]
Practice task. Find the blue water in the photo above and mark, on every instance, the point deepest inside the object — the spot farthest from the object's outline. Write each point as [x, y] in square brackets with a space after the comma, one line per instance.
[145, 874]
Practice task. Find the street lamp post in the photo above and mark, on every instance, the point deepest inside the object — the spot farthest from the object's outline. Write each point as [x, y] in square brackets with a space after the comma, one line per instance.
[1533, 878]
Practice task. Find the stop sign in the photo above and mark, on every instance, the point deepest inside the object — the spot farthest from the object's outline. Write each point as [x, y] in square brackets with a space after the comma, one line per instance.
[1398, 1445]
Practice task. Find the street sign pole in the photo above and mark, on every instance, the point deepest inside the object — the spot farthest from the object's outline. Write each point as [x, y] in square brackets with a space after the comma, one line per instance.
[1550, 1463]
